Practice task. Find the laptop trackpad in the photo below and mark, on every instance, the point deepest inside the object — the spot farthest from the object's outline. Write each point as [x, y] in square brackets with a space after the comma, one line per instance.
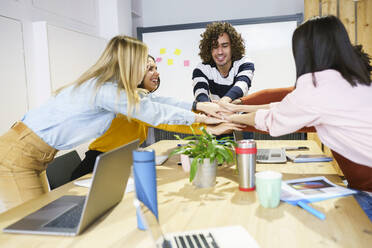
[48, 212]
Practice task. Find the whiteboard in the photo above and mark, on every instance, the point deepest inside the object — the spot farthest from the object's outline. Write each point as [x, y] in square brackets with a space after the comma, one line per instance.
[268, 44]
[13, 86]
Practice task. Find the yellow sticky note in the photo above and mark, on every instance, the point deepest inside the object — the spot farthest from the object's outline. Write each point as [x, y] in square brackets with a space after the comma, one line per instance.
[177, 52]
[170, 61]
[162, 50]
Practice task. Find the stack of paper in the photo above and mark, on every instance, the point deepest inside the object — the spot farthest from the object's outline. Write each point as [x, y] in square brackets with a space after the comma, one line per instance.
[88, 182]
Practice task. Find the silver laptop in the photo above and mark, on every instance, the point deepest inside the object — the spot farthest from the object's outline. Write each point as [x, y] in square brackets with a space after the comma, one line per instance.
[69, 215]
[271, 156]
[222, 237]
[266, 156]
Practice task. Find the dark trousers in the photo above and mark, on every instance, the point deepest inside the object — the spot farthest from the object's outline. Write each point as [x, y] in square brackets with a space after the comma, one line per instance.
[87, 164]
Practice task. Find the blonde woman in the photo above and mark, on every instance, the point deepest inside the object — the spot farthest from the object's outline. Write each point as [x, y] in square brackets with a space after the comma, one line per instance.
[80, 112]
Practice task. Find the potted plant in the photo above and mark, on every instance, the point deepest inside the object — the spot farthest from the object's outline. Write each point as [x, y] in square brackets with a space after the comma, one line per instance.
[205, 151]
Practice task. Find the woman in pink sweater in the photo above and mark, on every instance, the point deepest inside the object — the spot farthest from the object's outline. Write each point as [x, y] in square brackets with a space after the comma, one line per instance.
[333, 94]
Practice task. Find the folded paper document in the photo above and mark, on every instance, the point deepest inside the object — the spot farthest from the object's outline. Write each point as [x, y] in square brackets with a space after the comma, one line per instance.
[312, 189]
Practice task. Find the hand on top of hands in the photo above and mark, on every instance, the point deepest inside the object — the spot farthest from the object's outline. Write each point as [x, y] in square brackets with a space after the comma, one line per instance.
[201, 118]
[212, 109]
[229, 106]
[224, 128]
[218, 112]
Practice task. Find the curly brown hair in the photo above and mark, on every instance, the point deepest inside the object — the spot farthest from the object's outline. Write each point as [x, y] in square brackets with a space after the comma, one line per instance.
[210, 39]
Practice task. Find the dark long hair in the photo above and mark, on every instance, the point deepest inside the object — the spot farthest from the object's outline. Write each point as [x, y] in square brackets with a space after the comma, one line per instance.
[322, 43]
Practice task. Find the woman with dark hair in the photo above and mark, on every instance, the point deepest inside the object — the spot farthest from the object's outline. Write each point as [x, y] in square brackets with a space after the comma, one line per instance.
[332, 93]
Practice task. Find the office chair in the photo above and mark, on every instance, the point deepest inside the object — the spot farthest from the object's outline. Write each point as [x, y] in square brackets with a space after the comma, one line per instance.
[59, 171]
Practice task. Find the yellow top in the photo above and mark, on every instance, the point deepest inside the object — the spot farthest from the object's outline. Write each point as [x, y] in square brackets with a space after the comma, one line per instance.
[123, 131]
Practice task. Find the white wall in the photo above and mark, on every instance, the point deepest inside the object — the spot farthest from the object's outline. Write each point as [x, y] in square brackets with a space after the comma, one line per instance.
[13, 74]
[101, 18]
[97, 18]
[115, 17]
[169, 12]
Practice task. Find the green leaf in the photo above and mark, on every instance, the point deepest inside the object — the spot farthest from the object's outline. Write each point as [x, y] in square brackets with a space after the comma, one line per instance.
[225, 154]
[190, 137]
[193, 168]
[219, 158]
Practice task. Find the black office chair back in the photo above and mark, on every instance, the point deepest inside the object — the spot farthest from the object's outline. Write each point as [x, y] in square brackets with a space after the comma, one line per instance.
[59, 171]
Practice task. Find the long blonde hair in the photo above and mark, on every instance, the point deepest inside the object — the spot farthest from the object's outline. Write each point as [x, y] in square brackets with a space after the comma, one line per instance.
[123, 62]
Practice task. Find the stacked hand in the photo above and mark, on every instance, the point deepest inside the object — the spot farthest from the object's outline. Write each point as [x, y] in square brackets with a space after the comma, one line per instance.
[224, 128]
[214, 118]
[222, 116]
[229, 106]
[212, 109]
[201, 118]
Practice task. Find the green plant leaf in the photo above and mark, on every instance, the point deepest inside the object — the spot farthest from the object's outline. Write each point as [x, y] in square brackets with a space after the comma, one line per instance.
[219, 158]
[225, 154]
[193, 168]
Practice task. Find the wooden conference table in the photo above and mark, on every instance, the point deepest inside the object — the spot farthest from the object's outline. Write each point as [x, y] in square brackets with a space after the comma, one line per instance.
[182, 207]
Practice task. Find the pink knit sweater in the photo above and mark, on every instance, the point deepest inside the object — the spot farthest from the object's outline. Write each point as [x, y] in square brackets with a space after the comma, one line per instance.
[340, 113]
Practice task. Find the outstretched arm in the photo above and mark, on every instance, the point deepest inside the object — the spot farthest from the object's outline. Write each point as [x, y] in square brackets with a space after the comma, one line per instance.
[264, 97]
[242, 108]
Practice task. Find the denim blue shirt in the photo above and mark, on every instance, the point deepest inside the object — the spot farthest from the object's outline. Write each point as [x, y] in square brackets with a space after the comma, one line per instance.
[75, 116]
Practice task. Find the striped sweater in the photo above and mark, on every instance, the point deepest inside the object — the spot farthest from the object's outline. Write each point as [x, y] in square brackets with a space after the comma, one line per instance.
[210, 85]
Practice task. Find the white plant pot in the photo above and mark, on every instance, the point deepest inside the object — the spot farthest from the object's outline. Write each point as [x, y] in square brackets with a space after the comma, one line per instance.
[205, 174]
[186, 162]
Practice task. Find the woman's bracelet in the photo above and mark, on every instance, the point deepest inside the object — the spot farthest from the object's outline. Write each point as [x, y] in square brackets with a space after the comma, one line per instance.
[194, 105]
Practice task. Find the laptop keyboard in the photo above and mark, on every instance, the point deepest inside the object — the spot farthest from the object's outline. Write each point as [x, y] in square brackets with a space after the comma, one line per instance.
[262, 154]
[69, 219]
[195, 241]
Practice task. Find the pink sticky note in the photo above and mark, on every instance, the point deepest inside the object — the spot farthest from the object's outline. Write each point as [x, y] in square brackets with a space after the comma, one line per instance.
[186, 63]
[158, 60]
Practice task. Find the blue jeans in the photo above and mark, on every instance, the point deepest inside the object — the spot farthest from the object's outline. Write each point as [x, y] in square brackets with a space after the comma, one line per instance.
[365, 202]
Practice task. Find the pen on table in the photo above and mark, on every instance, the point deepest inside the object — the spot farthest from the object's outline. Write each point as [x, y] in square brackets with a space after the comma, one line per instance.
[295, 148]
[311, 210]
[179, 163]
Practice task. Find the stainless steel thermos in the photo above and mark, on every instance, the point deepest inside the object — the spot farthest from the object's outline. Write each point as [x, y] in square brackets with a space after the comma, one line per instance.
[246, 160]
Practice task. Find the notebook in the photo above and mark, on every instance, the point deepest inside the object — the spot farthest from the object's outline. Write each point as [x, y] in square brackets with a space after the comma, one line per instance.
[69, 215]
[266, 156]
[160, 159]
[222, 237]
[88, 182]
[309, 158]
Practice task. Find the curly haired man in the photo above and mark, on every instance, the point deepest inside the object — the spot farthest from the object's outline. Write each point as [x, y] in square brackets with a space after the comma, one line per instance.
[225, 74]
